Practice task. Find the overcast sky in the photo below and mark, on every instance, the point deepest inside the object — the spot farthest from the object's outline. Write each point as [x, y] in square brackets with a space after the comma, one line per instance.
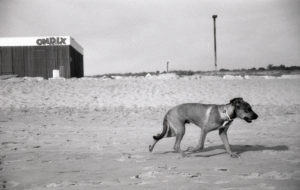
[142, 35]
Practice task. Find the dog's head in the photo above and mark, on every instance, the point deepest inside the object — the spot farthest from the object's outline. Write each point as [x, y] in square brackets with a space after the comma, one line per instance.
[243, 110]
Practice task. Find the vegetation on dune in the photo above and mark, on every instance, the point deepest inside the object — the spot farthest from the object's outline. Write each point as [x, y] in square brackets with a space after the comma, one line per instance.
[269, 70]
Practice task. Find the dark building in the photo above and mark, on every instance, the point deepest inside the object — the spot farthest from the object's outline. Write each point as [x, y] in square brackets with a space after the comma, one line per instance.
[39, 56]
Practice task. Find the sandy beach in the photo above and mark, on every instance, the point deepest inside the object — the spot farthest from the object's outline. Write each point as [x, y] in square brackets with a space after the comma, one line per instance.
[94, 133]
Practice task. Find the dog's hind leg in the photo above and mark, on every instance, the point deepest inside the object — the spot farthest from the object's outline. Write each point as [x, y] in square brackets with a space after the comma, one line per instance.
[200, 145]
[179, 135]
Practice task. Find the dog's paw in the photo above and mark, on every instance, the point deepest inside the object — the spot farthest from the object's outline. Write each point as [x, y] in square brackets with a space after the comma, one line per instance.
[234, 155]
[189, 149]
[193, 149]
[184, 155]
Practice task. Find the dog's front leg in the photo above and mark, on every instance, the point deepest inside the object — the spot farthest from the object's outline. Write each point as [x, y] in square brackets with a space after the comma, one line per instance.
[224, 138]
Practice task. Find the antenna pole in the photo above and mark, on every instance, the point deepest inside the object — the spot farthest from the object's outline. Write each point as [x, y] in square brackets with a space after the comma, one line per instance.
[167, 66]
[215, 42]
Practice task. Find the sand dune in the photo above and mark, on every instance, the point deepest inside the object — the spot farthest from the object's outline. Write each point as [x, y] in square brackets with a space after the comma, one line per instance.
[92, 93]
[94, 134]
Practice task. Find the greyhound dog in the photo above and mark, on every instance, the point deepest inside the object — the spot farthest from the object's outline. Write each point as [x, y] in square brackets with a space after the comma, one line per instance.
[208, 117]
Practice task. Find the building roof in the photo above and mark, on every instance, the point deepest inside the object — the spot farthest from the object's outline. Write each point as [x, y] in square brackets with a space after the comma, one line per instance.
[41, 41]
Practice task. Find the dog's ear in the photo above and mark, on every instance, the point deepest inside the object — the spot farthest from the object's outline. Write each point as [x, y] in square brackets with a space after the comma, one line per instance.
[236, 101]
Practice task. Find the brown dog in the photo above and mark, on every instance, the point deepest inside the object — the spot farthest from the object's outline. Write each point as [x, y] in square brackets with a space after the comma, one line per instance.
[208, 117]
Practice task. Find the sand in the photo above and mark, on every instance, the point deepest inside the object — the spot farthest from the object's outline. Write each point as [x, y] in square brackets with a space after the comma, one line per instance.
[94, 134]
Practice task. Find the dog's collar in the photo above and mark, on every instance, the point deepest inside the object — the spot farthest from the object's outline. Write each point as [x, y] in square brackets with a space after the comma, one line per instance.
[227, 115]
[228, 120]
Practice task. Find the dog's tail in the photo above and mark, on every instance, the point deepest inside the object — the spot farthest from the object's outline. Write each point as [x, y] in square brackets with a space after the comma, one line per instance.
[165, 128]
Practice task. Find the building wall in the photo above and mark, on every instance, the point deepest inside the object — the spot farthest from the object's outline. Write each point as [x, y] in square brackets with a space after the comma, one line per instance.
[18, 61]
[40, 61]
[6, 61]
[76, 63]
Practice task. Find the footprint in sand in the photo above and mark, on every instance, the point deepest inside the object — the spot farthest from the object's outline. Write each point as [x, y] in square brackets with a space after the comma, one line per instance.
[265, 186]
[138, 158]
[221, 169]
[8, 184]
[9, 142]
[277, 175]
[189, 175]
[253, 175]
[52, 185]
[201, 182]
[91, 183]
[221, 182]
[167, 167]
[141, 183]
[146, 175]
[148, 168]
[124, 157]
[296, 161]
[73, 183]
[269, 175]
[96, 148]
[271, 152]
[127, 156]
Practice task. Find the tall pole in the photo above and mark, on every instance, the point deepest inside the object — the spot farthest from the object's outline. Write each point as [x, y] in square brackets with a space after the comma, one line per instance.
[215, 41]
[167, 66]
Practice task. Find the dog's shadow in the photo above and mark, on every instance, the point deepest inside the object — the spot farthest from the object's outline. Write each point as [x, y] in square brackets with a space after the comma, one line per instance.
[240, 149]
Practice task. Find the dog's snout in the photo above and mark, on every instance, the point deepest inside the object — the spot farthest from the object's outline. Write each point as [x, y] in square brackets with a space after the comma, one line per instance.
[255, 116]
